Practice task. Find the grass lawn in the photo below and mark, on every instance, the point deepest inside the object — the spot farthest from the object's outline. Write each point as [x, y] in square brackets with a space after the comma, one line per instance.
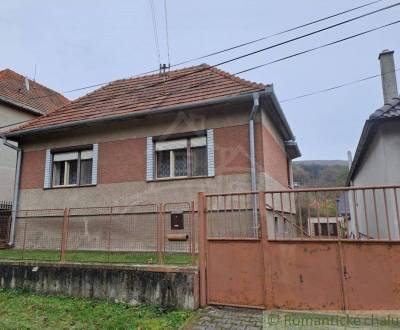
[24, 310]
[97, 256]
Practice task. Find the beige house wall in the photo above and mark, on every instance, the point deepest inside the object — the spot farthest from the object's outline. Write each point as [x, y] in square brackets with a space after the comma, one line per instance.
[9, 116]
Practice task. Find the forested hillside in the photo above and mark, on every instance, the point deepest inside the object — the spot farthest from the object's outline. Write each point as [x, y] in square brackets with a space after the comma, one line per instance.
[320, 173]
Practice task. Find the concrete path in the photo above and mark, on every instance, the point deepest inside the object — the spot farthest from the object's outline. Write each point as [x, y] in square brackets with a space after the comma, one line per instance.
[227, 318]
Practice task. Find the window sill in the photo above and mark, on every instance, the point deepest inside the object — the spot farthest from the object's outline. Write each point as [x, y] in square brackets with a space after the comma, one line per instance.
[181, 178]
[71, 186]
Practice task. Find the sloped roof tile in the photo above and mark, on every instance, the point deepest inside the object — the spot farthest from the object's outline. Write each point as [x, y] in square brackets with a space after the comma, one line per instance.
[178, 87]
[38, 99]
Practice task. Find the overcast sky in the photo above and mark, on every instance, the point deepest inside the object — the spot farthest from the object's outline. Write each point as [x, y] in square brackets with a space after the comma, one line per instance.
[79, 43]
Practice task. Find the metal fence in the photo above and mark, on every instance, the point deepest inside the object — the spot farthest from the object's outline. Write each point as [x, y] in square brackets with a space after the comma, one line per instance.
[351, 213]
[347, 213]
[150, 234]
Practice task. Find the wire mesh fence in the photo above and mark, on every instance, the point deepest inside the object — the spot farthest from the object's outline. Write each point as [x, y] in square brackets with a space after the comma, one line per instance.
[140, 234]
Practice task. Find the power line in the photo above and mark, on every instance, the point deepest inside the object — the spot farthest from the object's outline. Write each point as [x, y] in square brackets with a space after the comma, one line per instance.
[276, 34]
[288, 41]
[319, 47]
[271, 47]
[335, 87]
[240, 45]
[166, 31]
[153, 15]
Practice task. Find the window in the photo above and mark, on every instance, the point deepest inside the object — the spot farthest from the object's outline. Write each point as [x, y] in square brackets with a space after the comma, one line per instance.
[181, 158]
[72, 168]
[324, 229]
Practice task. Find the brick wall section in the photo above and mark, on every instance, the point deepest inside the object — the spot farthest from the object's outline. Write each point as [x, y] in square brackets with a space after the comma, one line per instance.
[122, 161]
[125, 160]
[32, 169]
[275, 158]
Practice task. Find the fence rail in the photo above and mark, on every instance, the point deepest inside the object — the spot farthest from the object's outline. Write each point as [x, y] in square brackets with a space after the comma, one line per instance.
[117, 234]
[338, 213]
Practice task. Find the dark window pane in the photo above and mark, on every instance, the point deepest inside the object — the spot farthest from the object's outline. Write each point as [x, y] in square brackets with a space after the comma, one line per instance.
[199, 161]
[316, 229]
[163, 164]
[73, 171]
[332, 229]
[86, 171]
[180, 162]
[58, 173]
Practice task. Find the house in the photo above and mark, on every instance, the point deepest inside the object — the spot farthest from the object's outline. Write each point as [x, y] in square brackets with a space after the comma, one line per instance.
[156, 138]
[377, 160]
[21, 99]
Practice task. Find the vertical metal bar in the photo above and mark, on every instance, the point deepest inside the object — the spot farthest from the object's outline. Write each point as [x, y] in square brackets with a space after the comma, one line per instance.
[300, 215]
[365, 215]
[193, 234]
[290, 210]
[376, 214]
[23, 244]
[273, 213]
[327, 216]
[64, 235]
[283, 218]
[225, 222]
[309, 223]
[386, 214]
[162, 233]
[159, 240]
[109, 235]
[337, 216]
[202, 248]
[318, 214]
[355, 214]
[397, 211]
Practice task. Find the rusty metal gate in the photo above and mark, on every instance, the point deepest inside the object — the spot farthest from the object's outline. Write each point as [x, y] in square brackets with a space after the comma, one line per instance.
[301, 249]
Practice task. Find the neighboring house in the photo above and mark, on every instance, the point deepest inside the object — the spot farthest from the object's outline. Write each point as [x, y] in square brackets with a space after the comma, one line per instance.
[21, 99]
[324, 226]
[377, 158]
[157, 138]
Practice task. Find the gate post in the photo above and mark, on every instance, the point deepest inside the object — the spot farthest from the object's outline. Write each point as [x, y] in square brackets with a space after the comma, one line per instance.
[202, 249]
[265, 244]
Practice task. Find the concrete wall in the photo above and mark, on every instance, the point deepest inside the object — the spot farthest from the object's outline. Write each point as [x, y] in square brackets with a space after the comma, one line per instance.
[165, 286]
[8, 116]
[122, 152]
[380, 166]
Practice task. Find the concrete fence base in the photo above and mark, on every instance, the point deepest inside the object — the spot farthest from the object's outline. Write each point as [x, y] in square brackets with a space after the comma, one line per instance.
[165, 286]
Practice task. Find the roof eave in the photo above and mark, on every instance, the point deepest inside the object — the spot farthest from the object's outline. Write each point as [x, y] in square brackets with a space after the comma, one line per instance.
[21, 105]
[188, 106]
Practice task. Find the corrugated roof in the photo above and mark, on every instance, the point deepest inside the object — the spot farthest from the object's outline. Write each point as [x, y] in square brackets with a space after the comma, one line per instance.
[39, 98]
[178, 87]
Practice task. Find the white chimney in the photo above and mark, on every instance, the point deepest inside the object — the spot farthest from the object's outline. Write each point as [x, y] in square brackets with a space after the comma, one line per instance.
[389, 83]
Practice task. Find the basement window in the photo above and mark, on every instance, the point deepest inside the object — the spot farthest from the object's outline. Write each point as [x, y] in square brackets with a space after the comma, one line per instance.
[72, 168]
[181, 158]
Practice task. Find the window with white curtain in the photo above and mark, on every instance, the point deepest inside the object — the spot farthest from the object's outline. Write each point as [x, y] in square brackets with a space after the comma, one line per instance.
[72, 168]
[185, 157]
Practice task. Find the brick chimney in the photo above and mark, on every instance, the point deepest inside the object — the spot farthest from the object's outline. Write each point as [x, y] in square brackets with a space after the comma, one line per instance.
[389, 83]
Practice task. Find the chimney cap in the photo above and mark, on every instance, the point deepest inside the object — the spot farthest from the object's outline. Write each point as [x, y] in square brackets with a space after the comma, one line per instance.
[385, 52]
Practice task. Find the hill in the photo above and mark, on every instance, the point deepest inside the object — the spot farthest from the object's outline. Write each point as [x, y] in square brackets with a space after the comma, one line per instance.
[320, 173]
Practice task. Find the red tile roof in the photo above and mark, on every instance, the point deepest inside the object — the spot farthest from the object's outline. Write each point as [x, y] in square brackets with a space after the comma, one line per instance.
[178, 87]
[39, 98]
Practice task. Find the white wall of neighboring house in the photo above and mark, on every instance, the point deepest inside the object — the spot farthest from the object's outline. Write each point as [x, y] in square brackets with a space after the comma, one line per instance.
[9, 116]
[380, 166]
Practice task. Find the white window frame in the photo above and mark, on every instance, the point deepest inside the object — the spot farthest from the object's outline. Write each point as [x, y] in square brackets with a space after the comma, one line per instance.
[81, 154]
[179, 144]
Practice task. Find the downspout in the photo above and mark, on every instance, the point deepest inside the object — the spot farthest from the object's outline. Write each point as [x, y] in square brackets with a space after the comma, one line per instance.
[16, 190]
[253, 170]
